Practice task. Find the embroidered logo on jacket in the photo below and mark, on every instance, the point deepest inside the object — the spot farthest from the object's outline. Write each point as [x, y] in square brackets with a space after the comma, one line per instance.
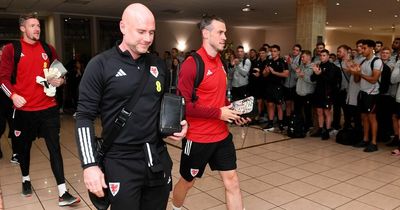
[154, 71]
[194, 171]
[44, 56]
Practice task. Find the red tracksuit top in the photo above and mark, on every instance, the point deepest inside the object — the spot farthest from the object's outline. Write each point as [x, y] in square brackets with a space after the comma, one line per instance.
[30, 65]
[203, 116]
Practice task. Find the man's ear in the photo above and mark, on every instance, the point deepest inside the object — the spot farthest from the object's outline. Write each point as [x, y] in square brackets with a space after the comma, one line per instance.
[122, 27]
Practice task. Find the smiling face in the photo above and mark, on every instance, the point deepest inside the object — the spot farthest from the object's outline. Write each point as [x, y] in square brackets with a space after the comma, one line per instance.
[30, 29]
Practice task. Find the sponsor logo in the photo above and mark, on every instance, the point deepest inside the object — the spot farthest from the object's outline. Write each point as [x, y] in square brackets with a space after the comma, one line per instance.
[209, 72]
[114, 187]
[22, 55]
[154, 71]
[194, 171]
[120, 73]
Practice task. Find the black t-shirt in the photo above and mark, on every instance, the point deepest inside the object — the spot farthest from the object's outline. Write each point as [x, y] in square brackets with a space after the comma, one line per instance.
[278, 65]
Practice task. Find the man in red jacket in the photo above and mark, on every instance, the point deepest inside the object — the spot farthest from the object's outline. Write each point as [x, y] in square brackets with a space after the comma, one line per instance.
[35, 114]
[208, 138]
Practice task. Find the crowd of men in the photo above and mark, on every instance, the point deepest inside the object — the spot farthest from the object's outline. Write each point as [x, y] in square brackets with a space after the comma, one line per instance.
[328, 91]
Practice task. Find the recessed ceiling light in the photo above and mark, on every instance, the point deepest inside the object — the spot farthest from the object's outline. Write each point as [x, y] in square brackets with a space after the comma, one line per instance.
[275, 13]
[370, 10]
[338, 4]
[246, 9]
[370, 28]
[396, 15]
[247, 5]
[350, 26]
[327, 23]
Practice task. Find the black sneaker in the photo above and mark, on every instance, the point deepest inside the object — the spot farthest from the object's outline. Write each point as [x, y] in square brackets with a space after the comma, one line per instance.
[316, 132]
[67, 199]
[394, 142]
[26, 189]
[361, 144]
[324, 134]
[281, 127]
[269, 126]
[14, 159]
[371, 148]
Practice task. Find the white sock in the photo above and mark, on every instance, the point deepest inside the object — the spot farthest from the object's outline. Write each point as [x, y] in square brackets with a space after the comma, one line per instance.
[175, 208]
[61, 189]
[26, 178]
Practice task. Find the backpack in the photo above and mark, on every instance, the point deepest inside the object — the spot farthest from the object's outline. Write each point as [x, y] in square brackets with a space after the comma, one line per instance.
[384, 80]
[296, 127]
[200, 73]
[17, 56]
[349, 136]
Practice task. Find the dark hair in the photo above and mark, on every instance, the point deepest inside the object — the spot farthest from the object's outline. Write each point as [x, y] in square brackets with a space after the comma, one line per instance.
[262, 49]
[379, 42]
[324, 51]
[266, 45]
[332, 54]
[207, 19]
[298, 46]
[320, 43]
[369, 43]
[397, 38]
[239, 47]
[27, 16]
[360, 41]
[276, 47]
[345, 47]
[253, 50]
[306, 52]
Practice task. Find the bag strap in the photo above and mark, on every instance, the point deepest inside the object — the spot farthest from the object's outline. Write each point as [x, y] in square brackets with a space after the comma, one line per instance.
[341, 68]
[199, 74]
[126, 112]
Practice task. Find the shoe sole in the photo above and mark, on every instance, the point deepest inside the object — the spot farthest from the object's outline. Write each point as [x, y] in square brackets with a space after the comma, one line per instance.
[14, 162]
[65, 203]
[269, 129]
[26, 195]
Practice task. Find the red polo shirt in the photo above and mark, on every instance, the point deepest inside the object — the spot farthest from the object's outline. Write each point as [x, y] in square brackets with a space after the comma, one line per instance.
[203, 116]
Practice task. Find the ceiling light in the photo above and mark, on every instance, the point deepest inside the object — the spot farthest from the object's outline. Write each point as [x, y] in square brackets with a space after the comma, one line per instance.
[350, 26]
[275, 13]
[370, 10]
[247, 5]
[246, 9]
[370, 28]
[327, 23]
[396, 15]
[338, 4]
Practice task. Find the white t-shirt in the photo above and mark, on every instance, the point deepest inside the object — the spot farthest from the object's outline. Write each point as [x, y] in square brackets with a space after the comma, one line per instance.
[365, 86]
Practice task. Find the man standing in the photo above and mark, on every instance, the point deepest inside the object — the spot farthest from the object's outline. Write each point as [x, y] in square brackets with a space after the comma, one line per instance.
[208, 139]
[289, 86]
[241, 69]
[369, 89]
[36, 113]
[275, 73]
[137, 166]
[378, 48]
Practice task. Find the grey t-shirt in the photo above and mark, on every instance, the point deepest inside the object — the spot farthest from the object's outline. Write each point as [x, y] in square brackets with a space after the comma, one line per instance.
[366, 86]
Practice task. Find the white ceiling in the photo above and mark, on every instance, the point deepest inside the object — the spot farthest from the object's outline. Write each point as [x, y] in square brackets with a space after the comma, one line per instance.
[350, 12]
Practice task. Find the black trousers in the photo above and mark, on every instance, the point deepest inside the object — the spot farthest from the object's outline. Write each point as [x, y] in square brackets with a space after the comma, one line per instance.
[339, 104]
[132, 184]
[28, 125]
[239, 93]
[384, 108]
[6, 112]
[303, 108]
[354, 115]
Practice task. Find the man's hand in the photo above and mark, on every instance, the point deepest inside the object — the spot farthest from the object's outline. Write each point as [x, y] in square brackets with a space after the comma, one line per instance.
[316, 69]
[94, 180]
[179, 136]
[56, 82]
[242, 121]
[228, 114]
[18, 100]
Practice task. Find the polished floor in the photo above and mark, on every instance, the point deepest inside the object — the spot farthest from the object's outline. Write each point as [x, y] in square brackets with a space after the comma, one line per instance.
[275, 173]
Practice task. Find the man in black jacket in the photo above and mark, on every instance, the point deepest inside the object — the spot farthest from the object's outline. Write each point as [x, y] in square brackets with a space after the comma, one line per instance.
[110, 80]
[328, 79]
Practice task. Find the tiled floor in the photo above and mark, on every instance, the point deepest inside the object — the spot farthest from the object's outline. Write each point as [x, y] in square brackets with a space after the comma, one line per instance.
[275, 173]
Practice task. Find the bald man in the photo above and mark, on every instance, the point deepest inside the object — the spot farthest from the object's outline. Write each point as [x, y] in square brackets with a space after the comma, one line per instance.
[137, 166]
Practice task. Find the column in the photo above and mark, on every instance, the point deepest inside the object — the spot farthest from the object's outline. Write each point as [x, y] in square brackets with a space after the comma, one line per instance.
[311, 20]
